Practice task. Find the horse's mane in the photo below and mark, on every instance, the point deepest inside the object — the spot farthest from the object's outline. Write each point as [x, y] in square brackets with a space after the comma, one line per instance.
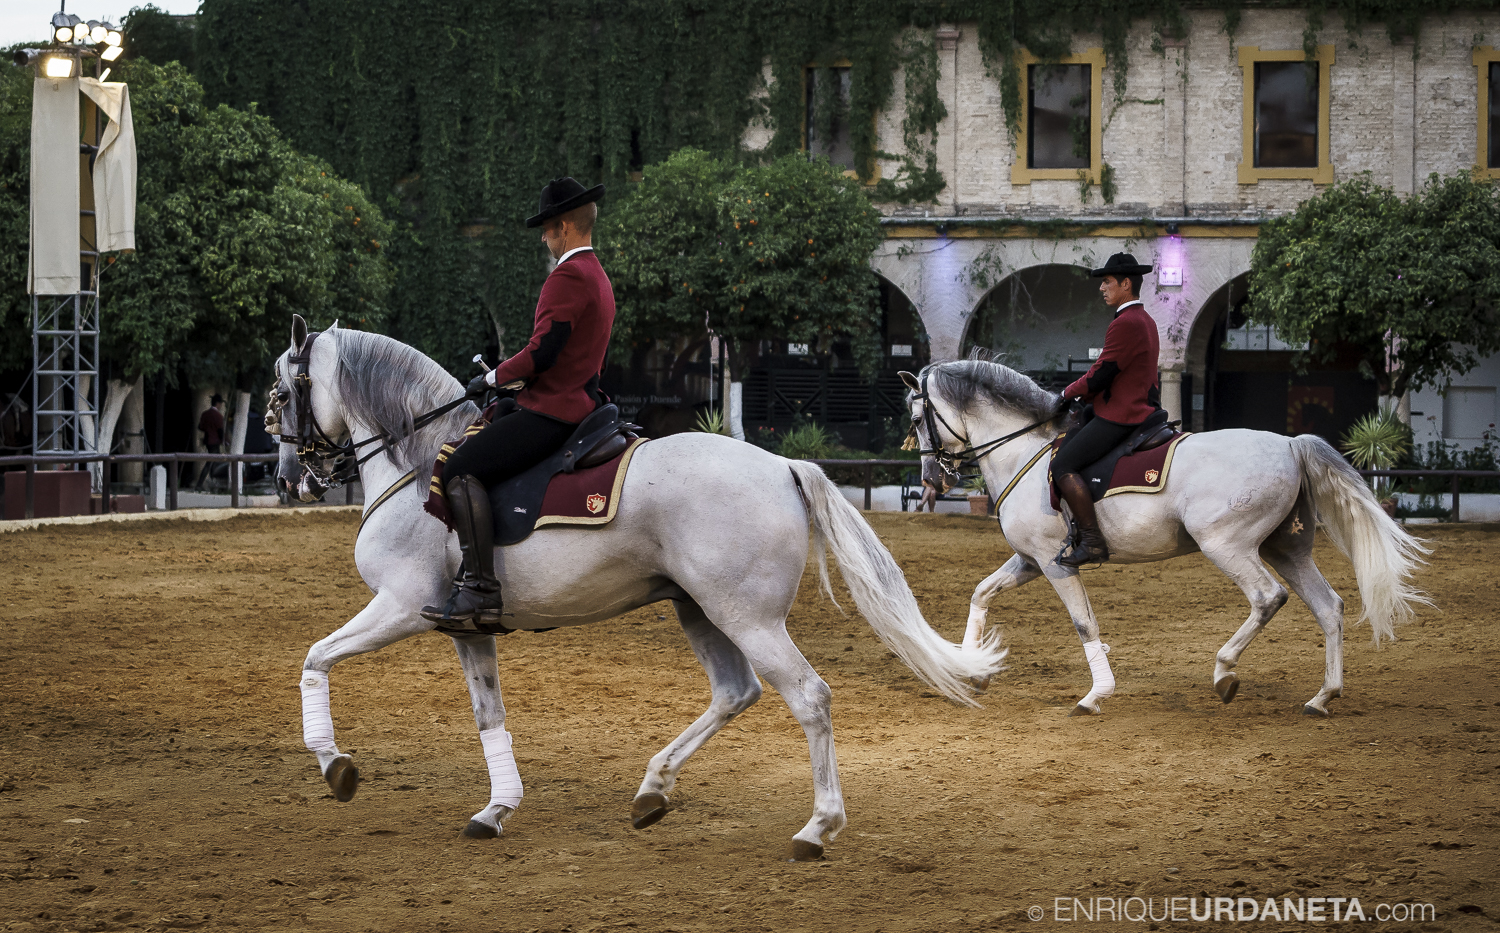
[385, 384]
[962, 382]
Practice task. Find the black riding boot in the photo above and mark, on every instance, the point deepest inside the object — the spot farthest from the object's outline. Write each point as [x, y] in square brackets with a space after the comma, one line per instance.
[1088, 543]
[476, 594]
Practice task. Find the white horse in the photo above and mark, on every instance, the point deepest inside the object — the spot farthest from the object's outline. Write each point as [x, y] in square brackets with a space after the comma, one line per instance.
[1241, 497]
[718, 526]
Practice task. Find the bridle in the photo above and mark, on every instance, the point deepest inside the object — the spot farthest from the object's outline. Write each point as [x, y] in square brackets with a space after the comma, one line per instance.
[970, 455]
[331, 463]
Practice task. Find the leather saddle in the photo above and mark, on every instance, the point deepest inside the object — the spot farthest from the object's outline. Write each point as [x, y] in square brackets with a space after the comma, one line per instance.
[1153, 432]
[517, 502]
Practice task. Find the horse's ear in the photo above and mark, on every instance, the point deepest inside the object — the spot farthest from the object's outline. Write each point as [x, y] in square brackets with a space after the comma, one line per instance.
[299, 332]
[334, 325]
[910, 380]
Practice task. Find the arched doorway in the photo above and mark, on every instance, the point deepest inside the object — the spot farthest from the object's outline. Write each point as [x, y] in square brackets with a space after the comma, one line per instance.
[1243, 375]
[1048, 321]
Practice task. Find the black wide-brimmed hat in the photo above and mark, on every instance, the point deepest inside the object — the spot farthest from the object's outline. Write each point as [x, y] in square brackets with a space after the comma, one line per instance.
[216, 400]
[1121, 265]
[562, 195]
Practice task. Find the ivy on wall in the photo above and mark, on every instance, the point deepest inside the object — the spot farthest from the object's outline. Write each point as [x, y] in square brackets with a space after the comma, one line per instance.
[454, 114]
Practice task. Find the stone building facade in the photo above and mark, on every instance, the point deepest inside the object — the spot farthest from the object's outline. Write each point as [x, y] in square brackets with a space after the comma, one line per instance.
[1004, 244]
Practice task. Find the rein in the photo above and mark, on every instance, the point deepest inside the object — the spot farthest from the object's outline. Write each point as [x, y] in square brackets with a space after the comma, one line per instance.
[951, 463]
[314, 446]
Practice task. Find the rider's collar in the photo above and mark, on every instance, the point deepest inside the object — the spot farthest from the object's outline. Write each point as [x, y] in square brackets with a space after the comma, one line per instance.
[570, 253]
[1134, 301]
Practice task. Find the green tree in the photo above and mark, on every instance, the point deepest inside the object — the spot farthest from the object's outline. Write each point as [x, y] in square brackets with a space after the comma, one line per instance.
[1414, 280]
[779, 250]
[235, 232]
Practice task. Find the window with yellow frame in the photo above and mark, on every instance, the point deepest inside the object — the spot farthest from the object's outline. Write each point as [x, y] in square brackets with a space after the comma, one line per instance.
[1062, 130]
[838, 147]
[1487, 155]
[1285, 115]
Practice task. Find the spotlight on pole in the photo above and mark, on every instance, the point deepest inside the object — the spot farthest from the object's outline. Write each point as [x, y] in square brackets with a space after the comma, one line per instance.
[114, 38]
[111, 53]
[98, 32]
[62, 27]
[59, 66]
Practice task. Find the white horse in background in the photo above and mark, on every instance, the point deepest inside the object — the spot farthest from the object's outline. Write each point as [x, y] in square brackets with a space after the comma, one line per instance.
[717, 526]
[1241, 497]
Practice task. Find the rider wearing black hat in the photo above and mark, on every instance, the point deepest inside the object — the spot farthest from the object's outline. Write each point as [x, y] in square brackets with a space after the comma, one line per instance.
[560, 367]
[1125, 390]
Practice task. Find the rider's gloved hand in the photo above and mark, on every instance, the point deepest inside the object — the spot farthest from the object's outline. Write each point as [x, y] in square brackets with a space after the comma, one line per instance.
[478, 386]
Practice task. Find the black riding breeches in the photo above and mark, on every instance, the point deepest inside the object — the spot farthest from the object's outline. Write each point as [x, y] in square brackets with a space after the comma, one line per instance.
[1088, 444]
[510, 445]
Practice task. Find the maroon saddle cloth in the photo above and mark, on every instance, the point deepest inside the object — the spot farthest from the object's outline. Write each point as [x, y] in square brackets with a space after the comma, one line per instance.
[1125, 469]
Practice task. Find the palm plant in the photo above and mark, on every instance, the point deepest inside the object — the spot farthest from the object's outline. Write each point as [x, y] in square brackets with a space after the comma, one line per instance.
[1376, 442]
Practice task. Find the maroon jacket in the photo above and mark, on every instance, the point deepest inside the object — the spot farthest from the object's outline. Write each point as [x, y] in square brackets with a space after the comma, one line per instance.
[565, 355]
[1123, 383]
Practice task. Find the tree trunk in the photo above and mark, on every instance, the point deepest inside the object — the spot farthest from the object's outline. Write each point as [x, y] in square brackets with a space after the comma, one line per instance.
[132, 431]
[115, 394]
[200, 405]
[237, 434]
[736, 420]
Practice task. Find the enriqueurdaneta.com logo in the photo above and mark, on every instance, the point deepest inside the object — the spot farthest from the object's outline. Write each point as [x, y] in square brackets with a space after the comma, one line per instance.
[1229, 909]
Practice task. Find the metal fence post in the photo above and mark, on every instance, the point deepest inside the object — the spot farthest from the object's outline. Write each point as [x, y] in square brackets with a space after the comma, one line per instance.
[31, 488]
[349, 493]
[234, 484]
[869, 480]
[173, 478]
[1453, 512]
[104, 484]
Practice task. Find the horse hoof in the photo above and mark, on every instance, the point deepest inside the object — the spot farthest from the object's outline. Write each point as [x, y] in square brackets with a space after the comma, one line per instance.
[1310, 710]
[478, 830]
[342, 778]
[1081, 710]
[806, 851]
[647, 809]
[1227, 686]
[980, 684]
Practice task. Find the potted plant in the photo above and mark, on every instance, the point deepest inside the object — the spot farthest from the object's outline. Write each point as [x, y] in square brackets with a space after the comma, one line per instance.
[1376, 442]
[979, 496]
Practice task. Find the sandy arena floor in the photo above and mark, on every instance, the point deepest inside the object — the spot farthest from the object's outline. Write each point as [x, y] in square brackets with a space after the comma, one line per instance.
[154, 778]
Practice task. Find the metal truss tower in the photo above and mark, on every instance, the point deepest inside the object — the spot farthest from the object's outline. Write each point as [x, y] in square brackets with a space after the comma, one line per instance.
[65, 353]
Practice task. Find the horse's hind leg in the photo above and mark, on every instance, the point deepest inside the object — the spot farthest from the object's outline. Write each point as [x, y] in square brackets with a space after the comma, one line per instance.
[1289, 551]
[1266, 598]
[735, 687]
[476, 654]
[384, 621]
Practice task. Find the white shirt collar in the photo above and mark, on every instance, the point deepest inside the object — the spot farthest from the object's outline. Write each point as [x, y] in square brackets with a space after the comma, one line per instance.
[1133, 301]
[569, 253]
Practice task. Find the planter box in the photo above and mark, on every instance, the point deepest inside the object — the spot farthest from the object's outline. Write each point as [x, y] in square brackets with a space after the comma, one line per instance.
[57, 493]
[118, 504]
[979, 505]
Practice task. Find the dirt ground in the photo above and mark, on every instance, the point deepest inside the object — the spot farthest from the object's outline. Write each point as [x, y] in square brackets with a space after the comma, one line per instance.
[153, 775]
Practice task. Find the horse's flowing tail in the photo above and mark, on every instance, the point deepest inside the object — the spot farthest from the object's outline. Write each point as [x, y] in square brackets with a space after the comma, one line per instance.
[882, 595]
[1383, 553]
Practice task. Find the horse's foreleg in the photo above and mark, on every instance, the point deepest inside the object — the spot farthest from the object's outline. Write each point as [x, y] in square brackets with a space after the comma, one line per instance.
[1266, 597]
[476, 654]
[735, 687]
[1017, 571]
[1070, 590]
[384, 621]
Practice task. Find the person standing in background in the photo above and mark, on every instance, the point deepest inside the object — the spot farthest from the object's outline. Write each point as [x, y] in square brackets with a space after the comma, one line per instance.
[211, 423]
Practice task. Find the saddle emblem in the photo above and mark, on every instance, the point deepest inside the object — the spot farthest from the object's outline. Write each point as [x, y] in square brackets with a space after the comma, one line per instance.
[1151, 475]
[596, 502]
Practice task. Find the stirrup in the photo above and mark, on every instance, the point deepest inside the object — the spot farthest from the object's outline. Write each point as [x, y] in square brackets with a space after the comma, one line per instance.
[1076, 542]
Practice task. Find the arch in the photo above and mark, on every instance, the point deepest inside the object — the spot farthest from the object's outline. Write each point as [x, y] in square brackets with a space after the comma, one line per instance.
[1211, 319]
[901, 328]
[1045, 317]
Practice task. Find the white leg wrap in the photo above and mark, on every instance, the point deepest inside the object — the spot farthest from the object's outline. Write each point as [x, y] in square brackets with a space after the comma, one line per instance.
[317, 724]
[977, 618]
[1104, 679]
[505, 780]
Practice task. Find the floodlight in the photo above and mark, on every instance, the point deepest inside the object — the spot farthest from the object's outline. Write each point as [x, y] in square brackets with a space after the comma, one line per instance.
[97, 31]
[62, 27]
[104, 77]
[114, 38]
[63, 34]
[58, 66]
[112, 53]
